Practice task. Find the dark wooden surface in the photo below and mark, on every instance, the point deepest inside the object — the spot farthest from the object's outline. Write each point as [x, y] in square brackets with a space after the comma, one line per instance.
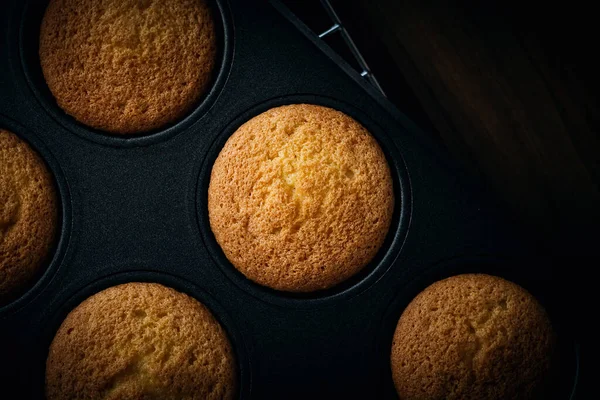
[512, 101]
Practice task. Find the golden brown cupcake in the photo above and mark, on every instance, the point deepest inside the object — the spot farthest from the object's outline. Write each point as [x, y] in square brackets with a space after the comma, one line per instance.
[472, 336]
[28, 216]
[300, 198]
[140, 341]
[128, 66]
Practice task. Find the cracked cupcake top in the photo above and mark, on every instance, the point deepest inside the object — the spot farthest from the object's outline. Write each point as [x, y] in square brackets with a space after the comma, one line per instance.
[128, 66]
[300, 198]
[28, 216]
[472, 336]
[140, 341]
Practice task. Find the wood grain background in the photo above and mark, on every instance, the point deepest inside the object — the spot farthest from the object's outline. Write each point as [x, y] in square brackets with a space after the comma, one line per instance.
[506, 93]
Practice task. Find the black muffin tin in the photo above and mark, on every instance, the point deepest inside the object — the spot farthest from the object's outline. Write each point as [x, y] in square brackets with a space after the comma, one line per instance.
[135, 209]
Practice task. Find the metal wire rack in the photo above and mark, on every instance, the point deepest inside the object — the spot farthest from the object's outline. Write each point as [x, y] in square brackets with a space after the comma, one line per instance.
[336, 27]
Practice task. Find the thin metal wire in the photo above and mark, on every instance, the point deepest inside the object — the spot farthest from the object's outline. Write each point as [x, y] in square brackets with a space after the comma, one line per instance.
[331, 30]
[339, 27]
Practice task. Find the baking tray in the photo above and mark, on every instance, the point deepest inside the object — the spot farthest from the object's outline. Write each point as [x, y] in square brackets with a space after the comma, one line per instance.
[135, 209]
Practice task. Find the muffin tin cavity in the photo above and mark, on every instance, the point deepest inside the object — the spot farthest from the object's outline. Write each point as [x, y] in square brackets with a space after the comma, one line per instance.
[564, 373]
[13, 207]
[60, 310]
[157, 119]
[356, 283]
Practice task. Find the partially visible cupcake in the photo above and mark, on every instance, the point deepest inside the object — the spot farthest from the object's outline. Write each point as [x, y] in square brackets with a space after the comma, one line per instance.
[28, 216]
[140, 341]
[300, 198]
[128, 66]
[472, 336]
